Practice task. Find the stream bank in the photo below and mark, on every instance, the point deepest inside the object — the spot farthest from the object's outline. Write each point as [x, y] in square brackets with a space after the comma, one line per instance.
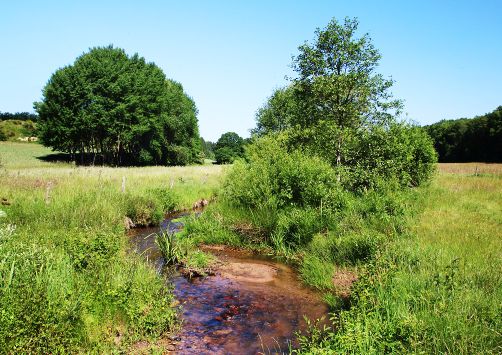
[251, 305]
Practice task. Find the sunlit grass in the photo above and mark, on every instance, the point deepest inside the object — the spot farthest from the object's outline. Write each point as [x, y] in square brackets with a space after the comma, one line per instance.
[440, 289]
[471, 168]
[67, 282]
[14, 155]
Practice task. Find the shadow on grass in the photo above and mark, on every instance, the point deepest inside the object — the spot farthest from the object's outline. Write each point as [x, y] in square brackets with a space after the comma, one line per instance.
[56, 158]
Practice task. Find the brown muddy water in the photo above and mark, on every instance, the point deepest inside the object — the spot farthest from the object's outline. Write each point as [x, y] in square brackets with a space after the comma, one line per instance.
[251, 305]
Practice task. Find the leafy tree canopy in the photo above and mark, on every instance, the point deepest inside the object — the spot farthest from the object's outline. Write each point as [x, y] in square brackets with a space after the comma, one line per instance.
[340, 108]
[228, 147]
[119, 109]
[464, 140]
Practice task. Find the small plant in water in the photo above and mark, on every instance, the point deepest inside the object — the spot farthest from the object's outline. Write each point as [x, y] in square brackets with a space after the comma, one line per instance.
[168, 247]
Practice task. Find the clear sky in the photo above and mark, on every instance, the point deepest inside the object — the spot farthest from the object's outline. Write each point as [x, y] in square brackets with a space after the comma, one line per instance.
[445, 56]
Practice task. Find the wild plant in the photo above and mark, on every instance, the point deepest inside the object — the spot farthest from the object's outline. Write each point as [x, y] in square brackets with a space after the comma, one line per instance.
[169, 247]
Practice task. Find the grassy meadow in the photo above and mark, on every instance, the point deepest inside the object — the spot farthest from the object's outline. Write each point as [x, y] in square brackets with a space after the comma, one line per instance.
[428, 262]
[437, 288]
[68, 283]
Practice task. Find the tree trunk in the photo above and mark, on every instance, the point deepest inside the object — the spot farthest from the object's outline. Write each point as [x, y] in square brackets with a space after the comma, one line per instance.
[339, 155]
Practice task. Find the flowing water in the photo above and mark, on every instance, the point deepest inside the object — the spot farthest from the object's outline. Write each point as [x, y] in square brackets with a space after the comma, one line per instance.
[252, 305]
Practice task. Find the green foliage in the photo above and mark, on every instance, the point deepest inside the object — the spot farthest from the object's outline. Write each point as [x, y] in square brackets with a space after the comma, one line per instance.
[207, 149]
[69, 282]
[400, 153]
[14, 129]
[354, 248]
[341, 110]
[296, 226]
[91, 250]
[278, 113]
[210, 229]
[436, 291]
[274, 177]
[228, 147]
[337, 82]
[118, 109]
[149, 208]
[67, 291]
[317, 272]
[197, 260]
[18, 116]
[168, 247]
[464, 140]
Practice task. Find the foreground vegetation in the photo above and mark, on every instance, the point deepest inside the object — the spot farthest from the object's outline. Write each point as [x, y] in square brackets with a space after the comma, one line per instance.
[427, 261]
[423, 267]
[332, 181]
[68, 283]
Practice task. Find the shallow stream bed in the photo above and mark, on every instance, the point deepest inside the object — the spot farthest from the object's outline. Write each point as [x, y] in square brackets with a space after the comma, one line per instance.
[252, 305]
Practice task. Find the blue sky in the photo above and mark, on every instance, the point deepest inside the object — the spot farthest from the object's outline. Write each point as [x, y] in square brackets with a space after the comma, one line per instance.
[445, 56]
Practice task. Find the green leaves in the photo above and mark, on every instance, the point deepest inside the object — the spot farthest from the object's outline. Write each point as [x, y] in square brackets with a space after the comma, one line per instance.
[340, 109]
[337, 79]
[117, 109]
[229, 147]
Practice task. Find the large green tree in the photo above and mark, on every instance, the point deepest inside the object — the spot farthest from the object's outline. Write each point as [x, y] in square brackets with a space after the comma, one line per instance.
[228, 147]
[340, 108]
[119, 109]
[337, 81]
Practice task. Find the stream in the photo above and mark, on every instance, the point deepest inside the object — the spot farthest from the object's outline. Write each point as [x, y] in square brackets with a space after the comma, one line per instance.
[251, 305]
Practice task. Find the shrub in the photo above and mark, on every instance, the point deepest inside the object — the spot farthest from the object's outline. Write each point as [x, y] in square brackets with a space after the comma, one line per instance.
[401, 153]
[373, 156]
[296, 227]
[274, 178]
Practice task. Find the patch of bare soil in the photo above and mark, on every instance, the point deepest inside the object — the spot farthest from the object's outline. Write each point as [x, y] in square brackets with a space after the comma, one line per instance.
[343, 280]
[247, 272]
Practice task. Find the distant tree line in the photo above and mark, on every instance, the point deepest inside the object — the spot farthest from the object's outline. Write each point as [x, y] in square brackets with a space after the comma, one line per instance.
[20, 116]
[467, 140]
[120, 110]
[207, 148]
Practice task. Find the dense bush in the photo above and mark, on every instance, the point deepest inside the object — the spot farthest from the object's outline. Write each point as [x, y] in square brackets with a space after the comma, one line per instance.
[274, 178]
[374, 156]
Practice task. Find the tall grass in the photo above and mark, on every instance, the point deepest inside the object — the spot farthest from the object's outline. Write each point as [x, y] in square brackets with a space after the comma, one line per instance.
[439, 289]
[67, 282]
[428, 260]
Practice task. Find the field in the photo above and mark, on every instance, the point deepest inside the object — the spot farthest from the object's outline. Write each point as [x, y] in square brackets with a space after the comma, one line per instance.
[68, 283]
[67, 280]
